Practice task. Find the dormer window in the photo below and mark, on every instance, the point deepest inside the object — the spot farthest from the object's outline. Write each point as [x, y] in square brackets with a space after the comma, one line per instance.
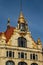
[22, 42]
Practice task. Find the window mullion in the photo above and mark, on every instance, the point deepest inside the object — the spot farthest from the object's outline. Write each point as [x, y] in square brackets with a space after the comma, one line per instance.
[32, 56]
[8, 53]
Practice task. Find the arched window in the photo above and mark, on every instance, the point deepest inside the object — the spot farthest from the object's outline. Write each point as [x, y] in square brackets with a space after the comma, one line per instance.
[34, 64]
[10, 63]
[22, 27]
[22, 63]
[22, 42]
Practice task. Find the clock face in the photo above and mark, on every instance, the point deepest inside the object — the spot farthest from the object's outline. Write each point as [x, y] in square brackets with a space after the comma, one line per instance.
[9, 63]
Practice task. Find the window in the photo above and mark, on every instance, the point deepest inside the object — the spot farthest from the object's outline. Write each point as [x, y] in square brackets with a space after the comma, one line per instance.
[10, 63]
[25, 55]
[13, 54]
[7, 53]
[22, 63]
[18, 55]
[33, 57]
[30, 56]
[36, 57]
[10, 54]
[22, 55]
[22, 27]
[34, 64]
[22, 42]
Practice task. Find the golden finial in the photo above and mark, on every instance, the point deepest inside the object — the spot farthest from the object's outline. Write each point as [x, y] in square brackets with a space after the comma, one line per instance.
[38, 41]
[21, 18]
[21, 15]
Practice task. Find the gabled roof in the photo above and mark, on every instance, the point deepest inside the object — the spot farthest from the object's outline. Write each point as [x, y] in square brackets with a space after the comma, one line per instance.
[8, 33]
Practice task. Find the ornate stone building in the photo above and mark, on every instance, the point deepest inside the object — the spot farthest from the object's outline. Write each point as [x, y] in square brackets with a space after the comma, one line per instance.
[17, 47]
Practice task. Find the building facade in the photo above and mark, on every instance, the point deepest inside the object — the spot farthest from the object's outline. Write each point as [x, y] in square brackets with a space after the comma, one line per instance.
[17, 47]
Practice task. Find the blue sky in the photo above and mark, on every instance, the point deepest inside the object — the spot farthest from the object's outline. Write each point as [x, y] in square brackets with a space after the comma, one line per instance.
[32, 10]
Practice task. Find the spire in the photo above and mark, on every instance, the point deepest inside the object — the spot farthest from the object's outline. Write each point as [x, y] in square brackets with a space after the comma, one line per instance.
[8, 23]
[21, 18]
[22, 23]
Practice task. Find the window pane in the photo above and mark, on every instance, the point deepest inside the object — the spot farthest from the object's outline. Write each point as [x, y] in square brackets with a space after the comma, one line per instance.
[22, 63]
[30, 56]
[36, 57]
[22, 27]
[7, 53]
[10, 63]
[13, 54]
[22, 55]
[25, 55]
[34, 64]
[10, 53]
[18, 55]
[22, 42]
[33, 56]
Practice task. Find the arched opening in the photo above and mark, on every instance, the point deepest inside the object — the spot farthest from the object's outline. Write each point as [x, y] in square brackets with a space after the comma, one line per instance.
[34, 64]
[22, 63]
[22, 42]
[22, 27]
[10, 63]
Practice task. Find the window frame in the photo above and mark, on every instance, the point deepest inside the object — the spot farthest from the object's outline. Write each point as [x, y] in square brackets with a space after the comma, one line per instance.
[10, 62]
[22, 55]
[22, 42]
[33, 56]
[22, 27]
[9, 54]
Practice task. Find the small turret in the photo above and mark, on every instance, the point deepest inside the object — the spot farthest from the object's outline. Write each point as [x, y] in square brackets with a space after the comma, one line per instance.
[22, 24]
[21, 18]
[39, 43]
